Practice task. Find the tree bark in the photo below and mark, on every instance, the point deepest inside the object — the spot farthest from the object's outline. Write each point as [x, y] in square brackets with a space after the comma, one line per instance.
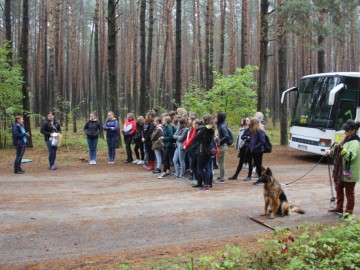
[244, 34]
[8, 34]
[178, 80]
[112, 74]
[263, 57]
[222, 35]
[149, 54]
[24, 64]
[232, 51]
[142, 103]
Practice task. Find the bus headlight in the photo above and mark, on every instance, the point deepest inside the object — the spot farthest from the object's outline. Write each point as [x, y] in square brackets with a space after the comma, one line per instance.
[325, 142]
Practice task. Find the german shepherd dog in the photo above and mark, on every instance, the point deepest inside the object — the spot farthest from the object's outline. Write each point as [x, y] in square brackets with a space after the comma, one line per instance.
[275, 196]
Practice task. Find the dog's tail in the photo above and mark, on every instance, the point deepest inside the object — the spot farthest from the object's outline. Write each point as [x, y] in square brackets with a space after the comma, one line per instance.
[296, 209]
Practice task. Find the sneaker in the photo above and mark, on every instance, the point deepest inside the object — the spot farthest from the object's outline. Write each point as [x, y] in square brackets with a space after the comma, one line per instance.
[111, 162]
[135, 161]
[232, 177]
[156, 171]
[53, 167]
[335, 211]
[179, 177]
[194, 182]
[94, 162]
[163, 175]
[174, 176]
[140, 162]
[128, 161]
[219, 181]
[247, 178]
[258, 183]
[344, 216]
[205, 188]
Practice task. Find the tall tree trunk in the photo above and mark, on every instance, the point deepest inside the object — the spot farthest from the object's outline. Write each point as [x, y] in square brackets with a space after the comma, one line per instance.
[136, 60]
[97, 94]
[321, 45]
[8, 34]
[143, 108]
[51, 88]
[209, 45]
[282, 73]
[263, 57]
[24, 64]
[112, 74]
[178, 80]
[244, 34]
[232, 50]
[222, 35]
[149, 53]
[199, 44]
[74, 69]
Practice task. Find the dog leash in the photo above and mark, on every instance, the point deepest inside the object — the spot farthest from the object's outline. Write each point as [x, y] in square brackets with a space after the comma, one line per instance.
[307, 172]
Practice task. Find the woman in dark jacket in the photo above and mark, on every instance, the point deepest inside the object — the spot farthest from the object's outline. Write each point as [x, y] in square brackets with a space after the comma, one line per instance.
[19, 141]
[51, 129]
[92, 130]
[111, 127]
[256, 145]
[204, 137]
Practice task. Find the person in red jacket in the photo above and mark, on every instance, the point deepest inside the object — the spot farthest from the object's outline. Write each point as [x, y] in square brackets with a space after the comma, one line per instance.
[129, 130]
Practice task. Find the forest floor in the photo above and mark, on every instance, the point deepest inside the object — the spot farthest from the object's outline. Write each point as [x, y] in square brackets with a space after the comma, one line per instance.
[88, 217]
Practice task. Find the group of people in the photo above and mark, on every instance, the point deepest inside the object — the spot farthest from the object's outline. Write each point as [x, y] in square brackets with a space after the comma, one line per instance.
[193, 146]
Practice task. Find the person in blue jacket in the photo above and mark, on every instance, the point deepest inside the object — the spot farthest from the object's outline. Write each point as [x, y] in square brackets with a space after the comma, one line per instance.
[111, 127]
[19, 141]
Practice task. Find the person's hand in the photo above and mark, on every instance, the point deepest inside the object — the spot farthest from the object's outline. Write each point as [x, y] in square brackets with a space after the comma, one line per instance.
[161, 138]
[112, 128]
[328, 152]
[143, 140]
[27, 134]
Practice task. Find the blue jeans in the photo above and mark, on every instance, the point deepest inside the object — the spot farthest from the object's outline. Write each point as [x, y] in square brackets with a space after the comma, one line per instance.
[92, 144]
[179, 160]
[158, 154]
[52, 152]
[20, 150]
[111, 142]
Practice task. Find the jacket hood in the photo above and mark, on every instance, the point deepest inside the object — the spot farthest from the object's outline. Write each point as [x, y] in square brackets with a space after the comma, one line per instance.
[221, 117]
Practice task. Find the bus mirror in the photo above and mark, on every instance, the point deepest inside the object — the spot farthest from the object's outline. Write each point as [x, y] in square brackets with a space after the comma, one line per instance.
[333, 93]
[286, 92]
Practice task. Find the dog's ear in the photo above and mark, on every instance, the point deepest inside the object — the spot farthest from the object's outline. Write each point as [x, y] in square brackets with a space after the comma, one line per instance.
[268, 171]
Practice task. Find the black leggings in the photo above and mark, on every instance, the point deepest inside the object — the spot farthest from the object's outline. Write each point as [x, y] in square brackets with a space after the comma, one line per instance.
[139, 146]
[257, 157]
[166, 158]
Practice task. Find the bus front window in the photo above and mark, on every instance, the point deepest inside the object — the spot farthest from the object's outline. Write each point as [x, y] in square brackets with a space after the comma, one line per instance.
[312, 107]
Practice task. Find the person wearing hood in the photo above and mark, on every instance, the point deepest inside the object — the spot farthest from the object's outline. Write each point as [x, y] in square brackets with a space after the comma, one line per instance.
[204, 138]
[223, 139]
[346, 168]
[92, 130]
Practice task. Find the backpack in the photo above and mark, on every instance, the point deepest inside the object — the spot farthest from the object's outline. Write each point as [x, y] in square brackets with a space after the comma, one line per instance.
[211, 151]
[231, 137]
[267, 145]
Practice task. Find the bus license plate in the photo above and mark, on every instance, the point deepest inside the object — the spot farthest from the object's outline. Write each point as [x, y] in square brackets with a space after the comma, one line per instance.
[302, 147]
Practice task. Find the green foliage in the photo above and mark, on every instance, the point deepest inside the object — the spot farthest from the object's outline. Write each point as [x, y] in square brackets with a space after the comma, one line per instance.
[313, 247]
[10, 94]
[234, 95]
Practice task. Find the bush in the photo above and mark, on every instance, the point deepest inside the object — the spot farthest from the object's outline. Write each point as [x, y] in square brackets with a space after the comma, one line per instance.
[234, 95]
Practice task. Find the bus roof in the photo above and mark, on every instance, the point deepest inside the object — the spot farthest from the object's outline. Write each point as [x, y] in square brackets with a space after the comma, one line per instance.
[330, 74]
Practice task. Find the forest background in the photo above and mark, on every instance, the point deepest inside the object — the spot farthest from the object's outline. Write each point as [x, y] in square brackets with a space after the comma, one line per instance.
[77, 56]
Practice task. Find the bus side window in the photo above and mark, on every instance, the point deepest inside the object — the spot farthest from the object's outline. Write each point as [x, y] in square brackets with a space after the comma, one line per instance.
[347, 110]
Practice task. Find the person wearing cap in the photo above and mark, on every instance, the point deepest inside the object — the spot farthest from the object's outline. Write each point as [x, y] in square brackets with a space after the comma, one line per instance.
[346, 168]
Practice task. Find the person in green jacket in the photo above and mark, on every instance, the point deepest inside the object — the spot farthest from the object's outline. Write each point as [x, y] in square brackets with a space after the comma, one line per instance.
[346, 168]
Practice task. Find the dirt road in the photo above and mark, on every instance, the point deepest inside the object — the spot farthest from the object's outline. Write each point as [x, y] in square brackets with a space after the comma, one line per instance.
[121, 211]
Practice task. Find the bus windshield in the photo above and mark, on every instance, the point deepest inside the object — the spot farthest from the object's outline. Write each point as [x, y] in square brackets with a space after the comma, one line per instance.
[312, 109]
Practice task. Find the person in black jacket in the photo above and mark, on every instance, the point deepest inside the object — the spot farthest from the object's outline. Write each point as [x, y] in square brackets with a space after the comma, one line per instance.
[92, 130]
[51, 130]
[19, 141]
[146, 139]
[204, 136]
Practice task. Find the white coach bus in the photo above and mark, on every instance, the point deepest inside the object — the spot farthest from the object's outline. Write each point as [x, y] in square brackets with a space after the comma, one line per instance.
[323, 103]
